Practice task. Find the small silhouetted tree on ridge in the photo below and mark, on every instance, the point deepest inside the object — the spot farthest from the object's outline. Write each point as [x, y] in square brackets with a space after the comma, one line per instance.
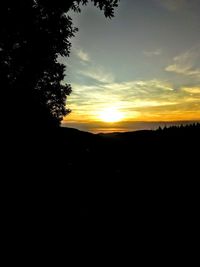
[32, 35]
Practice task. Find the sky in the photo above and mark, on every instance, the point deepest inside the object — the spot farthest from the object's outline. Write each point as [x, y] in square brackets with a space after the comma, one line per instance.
[141, 66]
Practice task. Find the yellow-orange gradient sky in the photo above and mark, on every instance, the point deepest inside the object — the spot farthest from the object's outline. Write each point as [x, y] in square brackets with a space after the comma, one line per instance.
[142, 66]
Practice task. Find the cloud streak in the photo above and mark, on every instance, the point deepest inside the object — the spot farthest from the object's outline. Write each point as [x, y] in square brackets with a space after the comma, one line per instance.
[156, 52]
[83, 56]
[97, 73]
[187, 63]
[192, 90]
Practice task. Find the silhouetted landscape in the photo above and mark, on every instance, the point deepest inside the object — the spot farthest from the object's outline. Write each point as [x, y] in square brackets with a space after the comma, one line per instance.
[51, 172]
[112, 174]
[150, 167]
[86, 174]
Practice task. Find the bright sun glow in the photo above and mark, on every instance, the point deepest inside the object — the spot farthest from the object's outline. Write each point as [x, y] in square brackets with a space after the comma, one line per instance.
[110, 115]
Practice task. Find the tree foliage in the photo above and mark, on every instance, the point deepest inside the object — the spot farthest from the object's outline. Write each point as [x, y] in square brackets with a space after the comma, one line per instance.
[32, 35]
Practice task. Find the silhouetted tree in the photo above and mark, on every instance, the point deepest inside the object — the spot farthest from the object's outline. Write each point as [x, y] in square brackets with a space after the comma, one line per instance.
[32, 35]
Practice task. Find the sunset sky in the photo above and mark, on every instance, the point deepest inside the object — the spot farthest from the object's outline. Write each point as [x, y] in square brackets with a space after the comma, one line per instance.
[142, 66]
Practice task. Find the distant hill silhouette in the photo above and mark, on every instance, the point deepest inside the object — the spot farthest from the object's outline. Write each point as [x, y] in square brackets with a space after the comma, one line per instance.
[111, 169]
[70, 172]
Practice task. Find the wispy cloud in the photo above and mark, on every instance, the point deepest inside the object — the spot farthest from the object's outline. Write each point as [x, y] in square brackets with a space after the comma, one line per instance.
[187, 63]
[192, 90]
[83, 56]
[156, 52]
[88, 69]
[97, 73]
[183, 70]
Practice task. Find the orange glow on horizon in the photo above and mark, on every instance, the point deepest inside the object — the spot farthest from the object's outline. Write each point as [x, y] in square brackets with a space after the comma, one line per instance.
[119, 117]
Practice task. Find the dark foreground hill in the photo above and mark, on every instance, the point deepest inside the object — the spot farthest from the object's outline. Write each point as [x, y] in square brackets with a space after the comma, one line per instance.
[113, 170]
[69, 172]
[130, 153]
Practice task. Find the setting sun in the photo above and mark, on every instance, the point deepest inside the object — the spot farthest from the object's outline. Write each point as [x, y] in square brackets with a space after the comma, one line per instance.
[111, 115]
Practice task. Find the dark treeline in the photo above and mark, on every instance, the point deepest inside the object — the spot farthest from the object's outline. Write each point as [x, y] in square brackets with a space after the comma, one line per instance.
[33, 34]
[189, 126]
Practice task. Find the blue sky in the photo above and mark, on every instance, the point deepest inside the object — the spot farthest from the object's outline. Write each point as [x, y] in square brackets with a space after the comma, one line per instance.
[144, 63]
